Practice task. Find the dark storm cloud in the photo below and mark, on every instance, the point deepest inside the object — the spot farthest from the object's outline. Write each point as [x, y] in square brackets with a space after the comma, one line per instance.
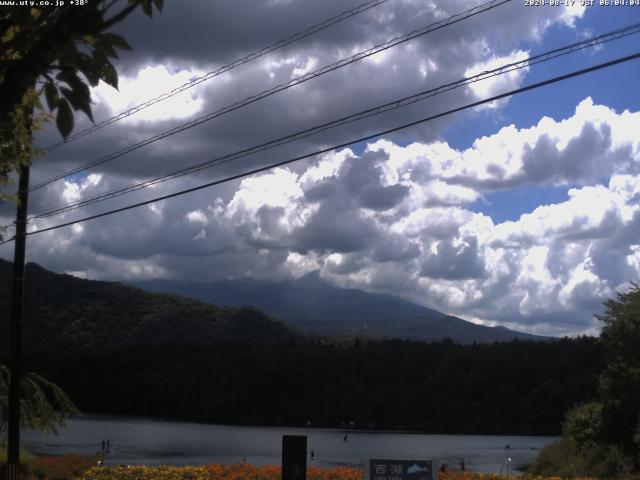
[198, 33]
[581, 161]
[349, 264]
[363, 178]
[394, 248]
[369, 223]
[454, 262]
[321, 190]
[336, 228]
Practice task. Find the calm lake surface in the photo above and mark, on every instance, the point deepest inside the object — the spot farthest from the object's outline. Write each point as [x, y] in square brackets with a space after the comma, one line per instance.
[137, 441]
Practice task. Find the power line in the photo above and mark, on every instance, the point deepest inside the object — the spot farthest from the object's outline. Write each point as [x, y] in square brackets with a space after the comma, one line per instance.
[346, 144]
[284, 86]
[540, 58]
[296, 81]
[8, 240]
[219, 71]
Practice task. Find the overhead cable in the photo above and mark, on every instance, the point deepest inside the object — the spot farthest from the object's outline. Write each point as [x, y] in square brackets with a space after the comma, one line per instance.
[533, 86]
[219, 71]
[284, 86]
[396, 104]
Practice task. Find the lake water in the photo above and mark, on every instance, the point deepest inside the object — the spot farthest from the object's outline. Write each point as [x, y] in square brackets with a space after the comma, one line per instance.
[137, 441]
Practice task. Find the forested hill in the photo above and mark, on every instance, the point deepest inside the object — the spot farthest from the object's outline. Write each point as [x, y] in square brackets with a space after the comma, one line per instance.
[64, 313]
[117, 349]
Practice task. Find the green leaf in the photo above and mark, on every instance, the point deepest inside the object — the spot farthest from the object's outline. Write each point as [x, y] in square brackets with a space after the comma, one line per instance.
[51, 94]
[79, 100]
[64, 119]
[117, 41]
[65, 74]
[99, 59]
[69, 55]
[10, 33]
[146, 7]
[106, 48]
[79, 95]
[93, 76]
[88, 67]
[109, 75]
[106, 71]
[159, 4]
[78, 85]
[89, 40]
[38, 104]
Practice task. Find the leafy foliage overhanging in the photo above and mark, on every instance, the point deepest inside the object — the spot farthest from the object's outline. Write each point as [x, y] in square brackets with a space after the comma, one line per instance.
[55, 53]
[43, 404]
[602, 437]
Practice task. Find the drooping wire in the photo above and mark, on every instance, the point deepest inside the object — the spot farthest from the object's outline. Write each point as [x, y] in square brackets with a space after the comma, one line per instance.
[396, 104]
[284, 86]
[533, 86]
[219, 71]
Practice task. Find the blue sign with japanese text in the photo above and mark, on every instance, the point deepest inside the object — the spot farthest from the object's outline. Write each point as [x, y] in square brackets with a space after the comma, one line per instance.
[388, 469]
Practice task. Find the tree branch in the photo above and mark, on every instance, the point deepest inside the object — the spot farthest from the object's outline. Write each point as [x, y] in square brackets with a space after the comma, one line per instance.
[120, 16]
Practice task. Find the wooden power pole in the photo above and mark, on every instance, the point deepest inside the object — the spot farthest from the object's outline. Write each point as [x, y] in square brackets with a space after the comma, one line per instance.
[15, 329]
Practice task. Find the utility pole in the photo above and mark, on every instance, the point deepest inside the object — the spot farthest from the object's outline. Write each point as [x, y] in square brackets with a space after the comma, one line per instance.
[15, 334]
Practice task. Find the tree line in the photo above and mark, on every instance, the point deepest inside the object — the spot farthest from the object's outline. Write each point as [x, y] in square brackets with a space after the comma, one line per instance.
[601, 438]
[520, 387]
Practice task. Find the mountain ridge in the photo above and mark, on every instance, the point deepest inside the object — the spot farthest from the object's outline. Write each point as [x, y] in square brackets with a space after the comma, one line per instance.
[77, 313]
[65, 312]
[314, 306]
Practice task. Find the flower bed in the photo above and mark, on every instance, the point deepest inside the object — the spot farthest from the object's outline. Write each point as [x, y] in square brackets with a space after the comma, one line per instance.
[214, 472]
[81, 467]
[494, 476]
[61, 467]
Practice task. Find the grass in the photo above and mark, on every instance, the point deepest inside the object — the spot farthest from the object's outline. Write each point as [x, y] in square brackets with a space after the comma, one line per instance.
[63, 467]
[25, 457]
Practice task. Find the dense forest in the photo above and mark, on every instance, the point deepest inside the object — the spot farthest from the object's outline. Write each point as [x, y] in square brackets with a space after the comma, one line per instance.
[520, 387]
[118, 349]
[65, 313]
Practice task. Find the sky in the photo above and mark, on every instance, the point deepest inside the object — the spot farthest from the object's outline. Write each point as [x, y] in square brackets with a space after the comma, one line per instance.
[523, 212]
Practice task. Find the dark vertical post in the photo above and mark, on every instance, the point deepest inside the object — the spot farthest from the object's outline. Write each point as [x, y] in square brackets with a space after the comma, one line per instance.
[17, 303]
[294, 457]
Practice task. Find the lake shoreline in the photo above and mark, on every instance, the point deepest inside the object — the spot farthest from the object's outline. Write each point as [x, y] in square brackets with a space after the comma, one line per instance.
[116, 416]
[144, 441]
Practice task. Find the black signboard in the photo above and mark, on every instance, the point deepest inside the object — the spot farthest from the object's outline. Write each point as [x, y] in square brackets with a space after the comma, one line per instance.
[389, 469]
[294, 457]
